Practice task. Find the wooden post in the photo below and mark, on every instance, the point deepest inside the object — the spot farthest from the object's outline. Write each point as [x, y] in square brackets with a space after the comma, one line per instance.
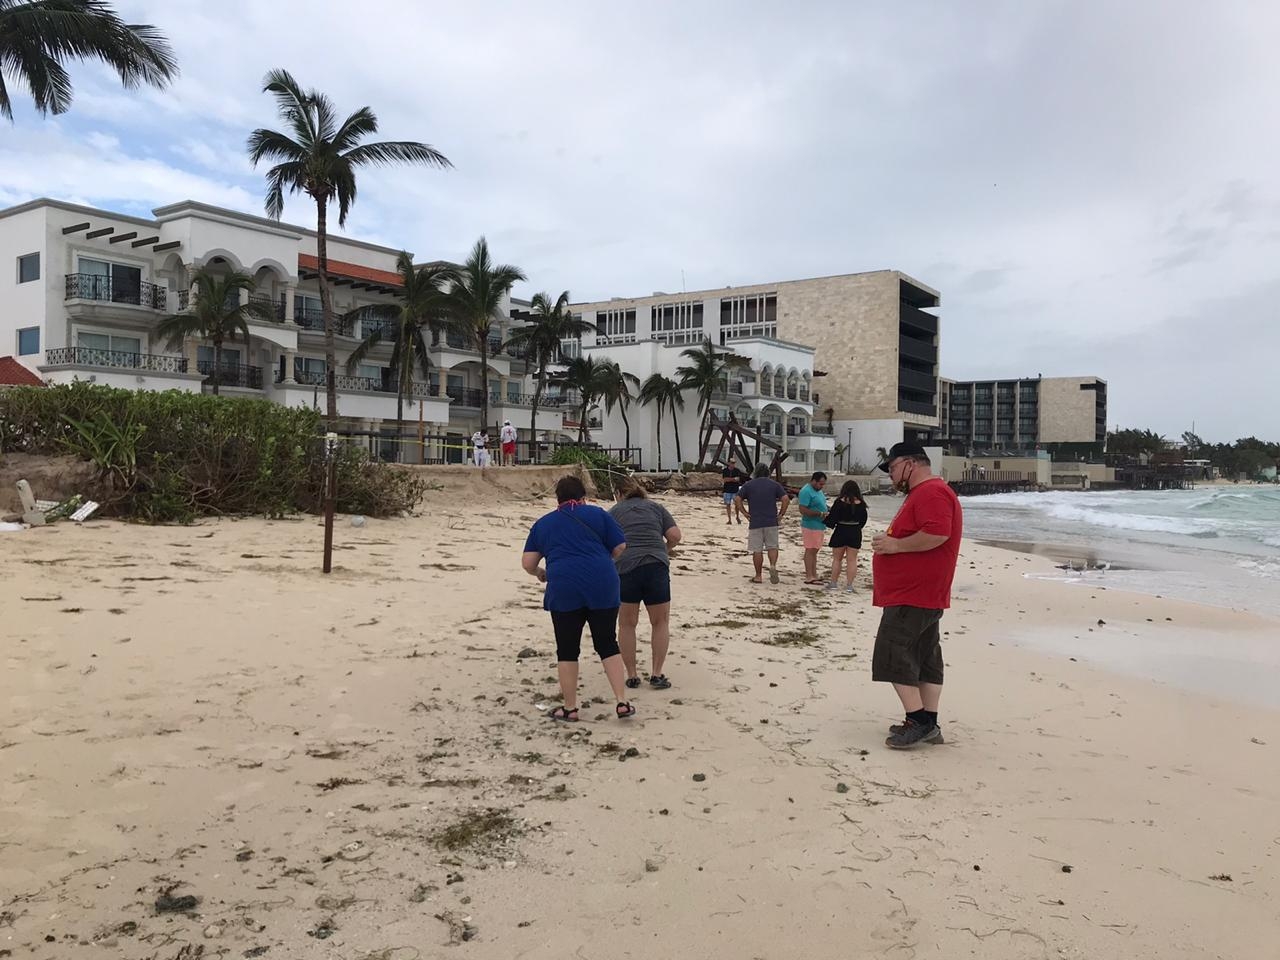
[331, 481]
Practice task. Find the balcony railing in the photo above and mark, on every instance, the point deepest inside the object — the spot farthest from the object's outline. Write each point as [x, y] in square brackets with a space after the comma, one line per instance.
[916, 380]
[91, 286]
[418, 389]
[465, 396]
[917, 349]
[916, 407]
[275, 306]
[232, 374]
[90, 357]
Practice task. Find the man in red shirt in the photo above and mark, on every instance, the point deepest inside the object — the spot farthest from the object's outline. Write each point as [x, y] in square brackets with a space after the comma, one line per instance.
[912, 568]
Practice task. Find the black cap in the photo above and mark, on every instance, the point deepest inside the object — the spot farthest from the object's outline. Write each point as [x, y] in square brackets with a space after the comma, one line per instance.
[907, 448]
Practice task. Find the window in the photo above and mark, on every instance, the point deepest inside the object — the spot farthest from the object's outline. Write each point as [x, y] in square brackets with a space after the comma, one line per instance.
[616, 326]
[755, 315]
[307, 312]
[309, 370]
[28, 341]
[108, 350]
[513, 391]
[677, 322]
[115, 282]
[204, 358]
[29, 268]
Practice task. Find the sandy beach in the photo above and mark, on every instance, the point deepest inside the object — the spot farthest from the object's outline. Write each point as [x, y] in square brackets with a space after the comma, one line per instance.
[360, 766]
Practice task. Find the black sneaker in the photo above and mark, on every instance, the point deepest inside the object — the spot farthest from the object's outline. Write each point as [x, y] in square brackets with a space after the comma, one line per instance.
[935, 737]
[633, 682]
[911, 734]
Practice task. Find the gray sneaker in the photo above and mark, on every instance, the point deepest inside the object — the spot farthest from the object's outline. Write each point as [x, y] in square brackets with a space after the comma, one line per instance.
[904, 736]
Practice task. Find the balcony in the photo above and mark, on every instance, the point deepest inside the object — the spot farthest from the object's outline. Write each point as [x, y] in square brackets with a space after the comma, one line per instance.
[466, 396]
[274, 307]
[918, 408]
[310, 318]
[917, 350]
[915, 380]
[91, 286]
[917, 320]
[88, 357]
[232, 375]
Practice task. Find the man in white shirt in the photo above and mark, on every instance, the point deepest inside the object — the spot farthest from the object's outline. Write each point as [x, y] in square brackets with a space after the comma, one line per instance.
[480, 441]
[508, 437]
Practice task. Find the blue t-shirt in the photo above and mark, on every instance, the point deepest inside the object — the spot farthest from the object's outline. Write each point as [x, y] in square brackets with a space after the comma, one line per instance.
[814, 500]
[578, 544]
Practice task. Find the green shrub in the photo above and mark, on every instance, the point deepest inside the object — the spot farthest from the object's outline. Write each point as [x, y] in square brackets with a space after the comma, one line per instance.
[172, 457]
[599, 464]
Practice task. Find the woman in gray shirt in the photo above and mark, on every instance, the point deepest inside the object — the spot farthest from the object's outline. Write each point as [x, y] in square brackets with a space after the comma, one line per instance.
[645, 574]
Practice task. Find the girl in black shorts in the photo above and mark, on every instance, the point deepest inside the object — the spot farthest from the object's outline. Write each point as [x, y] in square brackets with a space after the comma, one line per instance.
[847, 517]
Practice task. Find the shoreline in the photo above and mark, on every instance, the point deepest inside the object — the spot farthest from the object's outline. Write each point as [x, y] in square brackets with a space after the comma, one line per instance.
[361, 758]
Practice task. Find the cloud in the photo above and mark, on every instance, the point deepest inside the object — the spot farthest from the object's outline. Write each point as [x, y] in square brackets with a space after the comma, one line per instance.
[1064, 185]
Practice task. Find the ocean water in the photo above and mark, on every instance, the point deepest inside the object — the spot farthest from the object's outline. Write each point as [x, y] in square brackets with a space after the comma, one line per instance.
[1216, 544]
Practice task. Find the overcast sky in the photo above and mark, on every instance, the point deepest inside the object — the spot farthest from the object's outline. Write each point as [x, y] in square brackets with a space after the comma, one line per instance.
[1091, 185]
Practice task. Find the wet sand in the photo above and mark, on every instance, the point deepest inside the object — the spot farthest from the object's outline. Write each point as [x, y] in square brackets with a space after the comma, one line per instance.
[360, 766]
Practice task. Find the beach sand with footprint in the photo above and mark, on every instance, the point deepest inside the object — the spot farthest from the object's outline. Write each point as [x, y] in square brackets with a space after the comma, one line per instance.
[212, 750]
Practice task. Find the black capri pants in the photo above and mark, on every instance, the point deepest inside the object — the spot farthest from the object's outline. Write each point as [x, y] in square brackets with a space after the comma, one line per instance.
[568, 626]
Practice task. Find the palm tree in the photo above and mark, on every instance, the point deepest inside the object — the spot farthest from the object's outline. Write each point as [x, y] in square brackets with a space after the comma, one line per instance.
[702, 375]
[539, 342]
[588, 376]
[319, 156]
[663, 392]
[616, 393]
[37, 37]
[420, 311]
[217, 313]
[476, 292]
[841, 450]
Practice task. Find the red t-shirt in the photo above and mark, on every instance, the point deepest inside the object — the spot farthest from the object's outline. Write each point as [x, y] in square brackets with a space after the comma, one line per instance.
[920, 579]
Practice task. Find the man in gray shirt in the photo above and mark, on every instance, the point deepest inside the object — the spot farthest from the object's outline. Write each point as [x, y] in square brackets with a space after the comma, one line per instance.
[764, 501]
[645, 577]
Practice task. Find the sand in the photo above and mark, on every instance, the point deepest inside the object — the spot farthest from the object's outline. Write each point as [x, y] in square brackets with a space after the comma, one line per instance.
[359, 766]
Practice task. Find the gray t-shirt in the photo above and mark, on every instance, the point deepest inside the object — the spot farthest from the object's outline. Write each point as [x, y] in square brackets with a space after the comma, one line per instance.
[643, 523]
[761, 496]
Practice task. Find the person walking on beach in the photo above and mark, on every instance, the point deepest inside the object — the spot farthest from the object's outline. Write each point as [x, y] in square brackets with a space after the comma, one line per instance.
[912, 569]
[847, 517]
[764, 501]
[480, 444]
[732, 478]
[508, 437]
[644, 571]
[812, 503]
[580, 543]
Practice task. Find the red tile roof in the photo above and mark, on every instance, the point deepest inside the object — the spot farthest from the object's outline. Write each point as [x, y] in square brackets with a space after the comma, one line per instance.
[353, 270]
[14, 374]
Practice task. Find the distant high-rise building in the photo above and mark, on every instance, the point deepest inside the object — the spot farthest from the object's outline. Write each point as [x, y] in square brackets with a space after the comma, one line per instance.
[1066, 413]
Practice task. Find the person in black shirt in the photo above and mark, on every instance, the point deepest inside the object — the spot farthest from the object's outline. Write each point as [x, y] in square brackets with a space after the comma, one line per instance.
[733, 478]
[847, 517]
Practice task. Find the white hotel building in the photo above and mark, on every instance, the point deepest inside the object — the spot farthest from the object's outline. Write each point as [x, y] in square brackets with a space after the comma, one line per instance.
[87, 289]
[769, 387]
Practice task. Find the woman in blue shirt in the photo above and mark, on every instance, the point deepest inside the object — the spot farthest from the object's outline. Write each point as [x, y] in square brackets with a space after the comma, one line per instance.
[580, 543]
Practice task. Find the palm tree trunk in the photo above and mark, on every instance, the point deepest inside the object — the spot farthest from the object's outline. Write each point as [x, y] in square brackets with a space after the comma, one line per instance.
[533, 417]
[217, 365]
[626, 425]
[483, 337]
[326, 309]
[659, 466]
[582, 419]
[675, 426]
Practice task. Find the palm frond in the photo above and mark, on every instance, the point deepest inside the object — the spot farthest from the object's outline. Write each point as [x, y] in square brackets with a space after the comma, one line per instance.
[363, 123]
[388, 152]
[265, 144]
[37, 38]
